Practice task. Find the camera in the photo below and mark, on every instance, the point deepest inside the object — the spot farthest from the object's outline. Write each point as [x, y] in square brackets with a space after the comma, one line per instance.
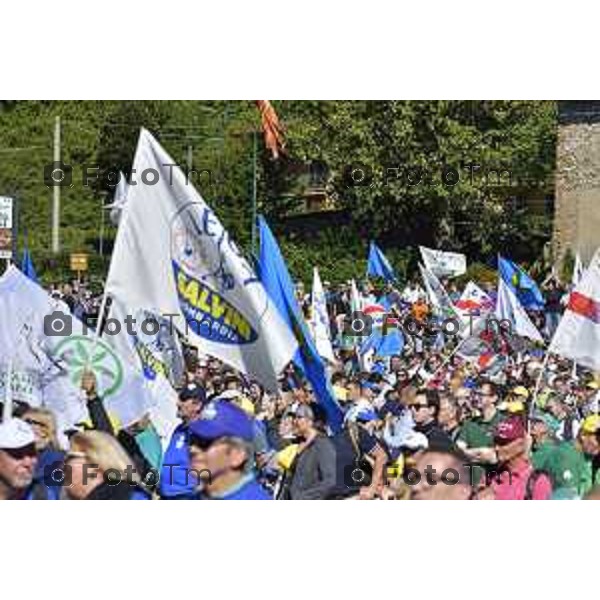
[58, 324]
[57, 474]
[357, 175]
[58, 173]
[358, 324]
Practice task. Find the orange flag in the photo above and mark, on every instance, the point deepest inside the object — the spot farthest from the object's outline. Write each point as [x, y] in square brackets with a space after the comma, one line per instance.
[272, 128]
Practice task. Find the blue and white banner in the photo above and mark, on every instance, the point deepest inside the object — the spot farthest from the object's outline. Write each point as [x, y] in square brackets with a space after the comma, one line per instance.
[173, 258]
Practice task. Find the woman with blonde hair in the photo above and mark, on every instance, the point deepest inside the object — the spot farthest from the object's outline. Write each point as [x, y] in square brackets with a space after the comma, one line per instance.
[47, 477]
[97, 468]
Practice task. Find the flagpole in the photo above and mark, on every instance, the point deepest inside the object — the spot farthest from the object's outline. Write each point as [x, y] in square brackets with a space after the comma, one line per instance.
[536, 390]
[99, 325]
[449, 357]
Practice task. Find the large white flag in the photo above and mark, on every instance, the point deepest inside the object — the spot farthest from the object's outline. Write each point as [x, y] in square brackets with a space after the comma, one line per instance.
[48, 349]
[444, 264]
[509, 308]
[578, 334]
[173, 258]
[319, 320]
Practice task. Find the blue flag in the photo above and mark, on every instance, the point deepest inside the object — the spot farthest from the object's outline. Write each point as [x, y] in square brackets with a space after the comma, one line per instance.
[277, 282]
[524, 287]
[378, 265]
[27, 265]
[390, 344]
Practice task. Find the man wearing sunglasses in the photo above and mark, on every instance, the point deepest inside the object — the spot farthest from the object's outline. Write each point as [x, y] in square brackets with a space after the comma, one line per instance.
[222, 453]
[425, 408]
[18, 458]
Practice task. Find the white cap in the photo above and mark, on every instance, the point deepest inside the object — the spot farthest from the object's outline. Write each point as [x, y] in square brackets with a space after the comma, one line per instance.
[15, 433]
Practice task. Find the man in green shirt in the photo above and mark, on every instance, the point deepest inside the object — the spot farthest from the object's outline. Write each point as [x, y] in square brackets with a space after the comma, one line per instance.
[476, 438]
[561, 460]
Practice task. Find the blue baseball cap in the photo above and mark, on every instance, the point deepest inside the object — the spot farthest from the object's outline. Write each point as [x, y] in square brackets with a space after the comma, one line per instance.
[222, 419]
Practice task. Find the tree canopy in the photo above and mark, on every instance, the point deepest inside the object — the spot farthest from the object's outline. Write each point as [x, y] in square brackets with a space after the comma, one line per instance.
[451, 174]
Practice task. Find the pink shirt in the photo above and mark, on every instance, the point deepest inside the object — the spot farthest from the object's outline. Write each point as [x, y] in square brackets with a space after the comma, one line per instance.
[512, 485]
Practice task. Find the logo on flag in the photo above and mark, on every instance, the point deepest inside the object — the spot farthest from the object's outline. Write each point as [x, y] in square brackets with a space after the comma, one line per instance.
[79, 353]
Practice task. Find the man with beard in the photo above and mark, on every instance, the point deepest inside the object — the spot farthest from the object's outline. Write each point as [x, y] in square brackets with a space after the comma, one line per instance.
[18, 458]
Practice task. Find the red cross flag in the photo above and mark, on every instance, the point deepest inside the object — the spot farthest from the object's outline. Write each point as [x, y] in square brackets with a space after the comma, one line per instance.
[578, 334]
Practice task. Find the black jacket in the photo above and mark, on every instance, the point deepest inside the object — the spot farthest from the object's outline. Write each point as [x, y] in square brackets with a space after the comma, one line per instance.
[314, 471]
[438, 439]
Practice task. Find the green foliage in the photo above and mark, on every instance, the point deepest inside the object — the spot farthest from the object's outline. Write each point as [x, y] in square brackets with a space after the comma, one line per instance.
[415, 150]
[476, 216]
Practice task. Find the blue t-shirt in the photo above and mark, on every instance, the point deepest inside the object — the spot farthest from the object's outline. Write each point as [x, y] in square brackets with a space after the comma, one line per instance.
[176, 480]
[246, 489]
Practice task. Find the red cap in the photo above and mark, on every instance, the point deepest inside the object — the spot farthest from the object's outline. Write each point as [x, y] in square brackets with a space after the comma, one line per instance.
[509, 430]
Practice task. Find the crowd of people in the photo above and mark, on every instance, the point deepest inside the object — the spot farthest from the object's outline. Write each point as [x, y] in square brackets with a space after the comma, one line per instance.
[425, 423]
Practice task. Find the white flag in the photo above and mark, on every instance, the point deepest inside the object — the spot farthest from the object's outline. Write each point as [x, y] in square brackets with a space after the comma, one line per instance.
[356, 302]
[436, 292]
[49, 350]
[578, 334]
[509, 308]
[474, 298]
[173, 258]
[319, 320]
[444, 264]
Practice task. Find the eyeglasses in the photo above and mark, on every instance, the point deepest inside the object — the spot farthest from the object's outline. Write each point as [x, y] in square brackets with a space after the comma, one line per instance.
[419, 406]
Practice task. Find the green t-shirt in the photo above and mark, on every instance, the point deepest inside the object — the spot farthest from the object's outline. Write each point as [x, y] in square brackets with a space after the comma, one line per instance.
[566, 466]
[477, 433]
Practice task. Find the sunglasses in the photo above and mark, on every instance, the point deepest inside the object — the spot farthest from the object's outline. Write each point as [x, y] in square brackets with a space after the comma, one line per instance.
[202, 443]
[419, 406]
[20, 453]
[36, 422]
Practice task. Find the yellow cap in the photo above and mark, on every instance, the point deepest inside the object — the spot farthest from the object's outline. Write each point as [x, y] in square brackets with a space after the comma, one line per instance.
[512, 406]
[521, 391]
[593, 385]
[591, 424]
